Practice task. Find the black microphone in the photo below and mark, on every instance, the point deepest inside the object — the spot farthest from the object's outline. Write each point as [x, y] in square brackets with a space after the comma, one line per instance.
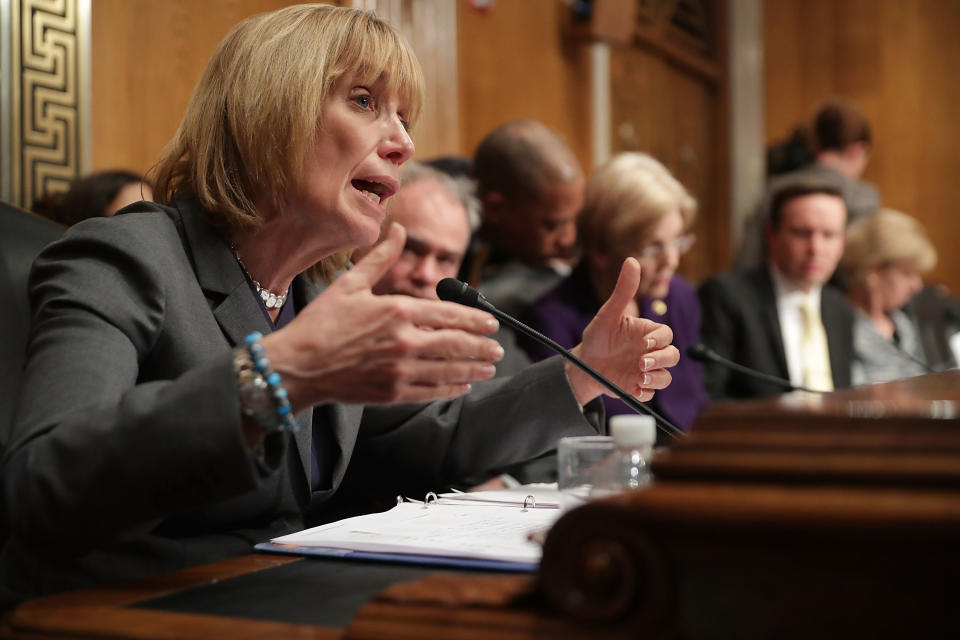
[703, 353]
[452, 290]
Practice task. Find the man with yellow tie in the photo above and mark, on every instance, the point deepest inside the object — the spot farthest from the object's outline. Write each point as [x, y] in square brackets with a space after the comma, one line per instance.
[783, 319]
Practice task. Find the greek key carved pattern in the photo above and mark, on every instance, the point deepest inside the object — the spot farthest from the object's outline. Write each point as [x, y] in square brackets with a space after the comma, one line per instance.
[46, 97]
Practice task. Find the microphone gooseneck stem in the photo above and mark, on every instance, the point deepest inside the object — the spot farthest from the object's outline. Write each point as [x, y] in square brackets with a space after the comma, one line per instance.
[760, 375]
[909, 356]
[704, 353]
[662, 423]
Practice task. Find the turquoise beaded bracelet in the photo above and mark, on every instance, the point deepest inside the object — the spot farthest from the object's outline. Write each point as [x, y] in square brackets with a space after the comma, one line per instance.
[281, 402]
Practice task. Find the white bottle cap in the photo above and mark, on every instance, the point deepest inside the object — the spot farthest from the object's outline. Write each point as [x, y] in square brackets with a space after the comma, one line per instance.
[633, 430]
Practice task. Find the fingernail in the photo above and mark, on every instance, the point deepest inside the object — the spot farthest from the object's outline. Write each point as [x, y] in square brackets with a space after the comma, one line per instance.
[647, 363]
[646, 379]
[497, 353]
[491, 324]
[651, 343]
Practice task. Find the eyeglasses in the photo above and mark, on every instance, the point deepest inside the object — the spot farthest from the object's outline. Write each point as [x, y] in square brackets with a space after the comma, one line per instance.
[658, 249]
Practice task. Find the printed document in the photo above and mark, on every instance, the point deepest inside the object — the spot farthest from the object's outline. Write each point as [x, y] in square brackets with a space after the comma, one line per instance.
[455, 529]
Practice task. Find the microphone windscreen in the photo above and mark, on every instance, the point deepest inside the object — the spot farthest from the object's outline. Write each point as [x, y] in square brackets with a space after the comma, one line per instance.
[698, 352]
[452, 290]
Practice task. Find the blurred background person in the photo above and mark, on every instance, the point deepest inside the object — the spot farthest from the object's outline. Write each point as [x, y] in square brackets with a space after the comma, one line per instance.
[783, 319]
[453, 166]
[886, 256]
[98, 195]
[633, 206]
[530, 187]
[439, 212]
[839, 139]
[937, 315]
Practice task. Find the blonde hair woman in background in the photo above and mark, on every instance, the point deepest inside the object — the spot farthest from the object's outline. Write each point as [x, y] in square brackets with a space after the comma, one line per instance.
[883, 264]
[189, 390]
[633, 207]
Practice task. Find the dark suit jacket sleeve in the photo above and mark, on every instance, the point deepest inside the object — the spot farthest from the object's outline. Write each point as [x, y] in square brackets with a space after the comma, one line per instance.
[95, 453]
[718, 331]
[503, 421]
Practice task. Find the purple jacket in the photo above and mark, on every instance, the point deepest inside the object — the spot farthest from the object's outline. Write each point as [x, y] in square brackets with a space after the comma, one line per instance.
[564, 312]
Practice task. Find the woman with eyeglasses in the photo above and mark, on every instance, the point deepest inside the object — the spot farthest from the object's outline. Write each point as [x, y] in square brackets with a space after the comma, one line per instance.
[632, 207]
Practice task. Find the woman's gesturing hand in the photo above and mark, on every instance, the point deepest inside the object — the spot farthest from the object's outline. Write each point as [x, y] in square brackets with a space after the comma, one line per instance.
[632, 352]
[350, 345]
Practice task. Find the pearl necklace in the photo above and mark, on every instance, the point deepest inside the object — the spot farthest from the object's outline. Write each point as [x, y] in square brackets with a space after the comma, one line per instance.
[270, 299]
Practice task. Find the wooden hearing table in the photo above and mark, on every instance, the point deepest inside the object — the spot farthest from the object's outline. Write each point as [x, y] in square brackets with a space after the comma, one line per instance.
[797, 517]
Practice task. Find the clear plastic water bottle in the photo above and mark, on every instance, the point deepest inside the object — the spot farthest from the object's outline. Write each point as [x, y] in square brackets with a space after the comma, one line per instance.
[633, 438]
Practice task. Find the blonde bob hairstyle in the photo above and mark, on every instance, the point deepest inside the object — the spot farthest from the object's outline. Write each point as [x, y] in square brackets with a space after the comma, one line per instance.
[255, 112]
[625, 198]
[884, 238]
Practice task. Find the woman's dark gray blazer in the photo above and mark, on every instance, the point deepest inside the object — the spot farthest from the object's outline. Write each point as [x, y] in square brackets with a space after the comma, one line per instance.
[127, 459]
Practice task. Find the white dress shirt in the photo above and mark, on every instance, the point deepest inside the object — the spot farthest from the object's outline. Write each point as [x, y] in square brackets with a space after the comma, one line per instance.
[790, 303]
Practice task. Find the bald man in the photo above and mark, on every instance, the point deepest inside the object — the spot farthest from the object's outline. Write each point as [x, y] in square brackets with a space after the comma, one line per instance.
[530, 187]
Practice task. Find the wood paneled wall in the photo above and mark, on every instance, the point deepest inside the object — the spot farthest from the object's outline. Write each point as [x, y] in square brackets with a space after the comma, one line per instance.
[896, 60]
[516, 63]
[146, 57]
[661, 110]
[482, 68]
[430, 26]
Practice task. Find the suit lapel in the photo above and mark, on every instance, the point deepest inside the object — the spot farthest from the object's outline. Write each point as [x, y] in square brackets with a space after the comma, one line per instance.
[771, 319]
[838, 325]
[345, 421]
[232, 303]
[221, 278]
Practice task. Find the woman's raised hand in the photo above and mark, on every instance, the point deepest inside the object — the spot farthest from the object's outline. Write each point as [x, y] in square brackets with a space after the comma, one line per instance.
[350, 345]
[632, 352]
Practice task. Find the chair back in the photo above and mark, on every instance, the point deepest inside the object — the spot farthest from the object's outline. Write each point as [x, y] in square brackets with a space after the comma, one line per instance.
[22, 236]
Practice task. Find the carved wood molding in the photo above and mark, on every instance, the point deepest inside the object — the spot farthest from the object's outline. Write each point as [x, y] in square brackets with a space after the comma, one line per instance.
[683, 31]
[45, 95]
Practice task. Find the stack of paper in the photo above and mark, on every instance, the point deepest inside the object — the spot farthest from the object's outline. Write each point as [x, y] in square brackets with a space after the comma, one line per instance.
[463, 529]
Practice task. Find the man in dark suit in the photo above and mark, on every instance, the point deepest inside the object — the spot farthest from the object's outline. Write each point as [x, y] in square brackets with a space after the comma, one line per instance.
[530, 186]
[839, 139]
[783, 319]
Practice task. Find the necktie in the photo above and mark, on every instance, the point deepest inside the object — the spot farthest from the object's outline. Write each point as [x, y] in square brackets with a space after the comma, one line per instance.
[813, 347]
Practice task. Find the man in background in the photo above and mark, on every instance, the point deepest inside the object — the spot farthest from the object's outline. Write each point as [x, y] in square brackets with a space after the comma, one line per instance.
[782, 318]
[839, 139]
[439, 212]
[530, 187]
